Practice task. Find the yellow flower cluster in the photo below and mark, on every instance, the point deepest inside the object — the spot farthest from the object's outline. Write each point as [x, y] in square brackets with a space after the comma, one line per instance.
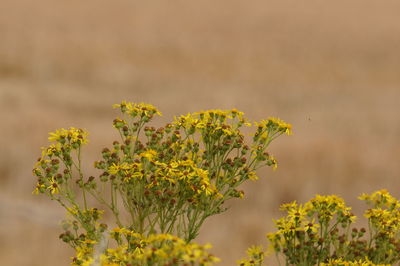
[272, 126]
[255, 257]
[226, 121]
[156, 249]
[187, 173]
[73, 136]
[381, 199]
[48, 179]
[319, 232]
[328, 206]
[384, 215]
[176, 172]
[301, 217]
[138, 109]
[65, 141]
[306, 233]
[361, 262]
[47, 168]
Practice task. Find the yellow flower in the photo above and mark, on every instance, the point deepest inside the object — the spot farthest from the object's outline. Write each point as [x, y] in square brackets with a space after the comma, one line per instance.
[53, 149]
[149, 154]
[89, 242]
[119, 230]
[288, 206]
[298, 213]
[188, 121]
[73, 210]
[116, 168]
[38, 189]
[83, 252]
[252, 176]
[88, 262]
[53, 187]
[255, 251]
[311, 226]
[161, 253]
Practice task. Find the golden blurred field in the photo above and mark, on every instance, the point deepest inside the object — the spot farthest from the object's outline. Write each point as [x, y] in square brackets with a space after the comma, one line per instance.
[331, 68]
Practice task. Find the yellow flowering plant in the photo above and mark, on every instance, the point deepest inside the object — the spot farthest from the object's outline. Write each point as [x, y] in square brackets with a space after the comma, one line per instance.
[320, 232]
[156, 182]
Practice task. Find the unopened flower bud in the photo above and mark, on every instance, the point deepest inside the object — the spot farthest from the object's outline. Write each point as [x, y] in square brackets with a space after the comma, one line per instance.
[103, 227]
[106, 153]
[75, 145]
[118, 123]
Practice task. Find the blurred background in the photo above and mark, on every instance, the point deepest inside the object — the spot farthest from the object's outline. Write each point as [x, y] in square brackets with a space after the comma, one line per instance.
[331, 68]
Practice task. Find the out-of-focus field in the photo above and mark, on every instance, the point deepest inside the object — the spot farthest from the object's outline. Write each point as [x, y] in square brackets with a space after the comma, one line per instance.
[331, 68]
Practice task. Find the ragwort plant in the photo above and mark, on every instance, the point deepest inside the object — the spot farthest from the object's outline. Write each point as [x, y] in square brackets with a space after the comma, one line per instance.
[160, 184]
[321, 232]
